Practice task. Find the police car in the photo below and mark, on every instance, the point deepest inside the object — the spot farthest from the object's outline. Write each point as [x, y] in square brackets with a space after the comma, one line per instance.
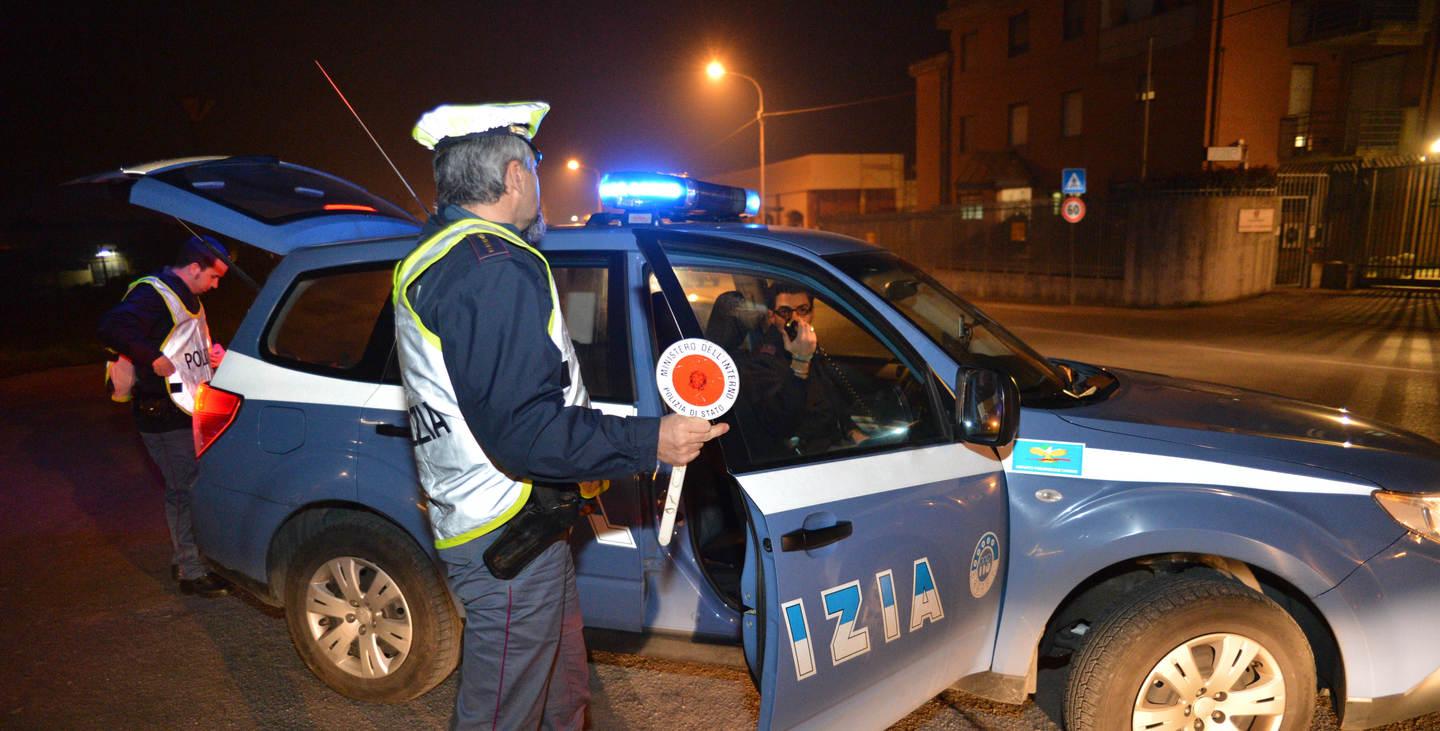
[963, 510]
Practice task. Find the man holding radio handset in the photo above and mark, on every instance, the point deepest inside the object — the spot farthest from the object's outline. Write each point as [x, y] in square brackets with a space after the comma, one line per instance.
[798, 396]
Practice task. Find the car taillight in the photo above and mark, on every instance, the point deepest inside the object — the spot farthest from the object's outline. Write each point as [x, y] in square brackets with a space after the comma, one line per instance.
[215, 411]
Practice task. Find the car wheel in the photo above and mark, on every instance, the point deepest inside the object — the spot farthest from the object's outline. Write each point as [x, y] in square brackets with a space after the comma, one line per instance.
[368, 612]
[1193, 652]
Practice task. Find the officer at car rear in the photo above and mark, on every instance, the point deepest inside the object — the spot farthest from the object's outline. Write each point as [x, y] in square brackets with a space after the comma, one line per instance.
[160, 328]
[491, 375]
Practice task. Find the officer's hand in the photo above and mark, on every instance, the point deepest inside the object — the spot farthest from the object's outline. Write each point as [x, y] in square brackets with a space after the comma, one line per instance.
[682, 436]
[804, 343]
[163, 367]
[217, 353]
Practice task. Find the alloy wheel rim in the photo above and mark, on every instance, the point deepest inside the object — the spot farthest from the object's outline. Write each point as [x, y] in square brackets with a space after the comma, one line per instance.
[358, 617]
[1217, 681]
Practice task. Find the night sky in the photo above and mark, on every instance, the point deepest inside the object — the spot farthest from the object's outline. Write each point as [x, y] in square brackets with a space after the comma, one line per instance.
[90, 89]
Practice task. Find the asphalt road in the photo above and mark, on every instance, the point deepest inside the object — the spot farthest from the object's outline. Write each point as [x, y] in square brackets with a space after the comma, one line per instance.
[97, 636]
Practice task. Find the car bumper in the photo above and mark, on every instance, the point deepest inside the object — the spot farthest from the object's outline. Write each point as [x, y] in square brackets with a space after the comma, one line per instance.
[1383, 617]
[1360, 713]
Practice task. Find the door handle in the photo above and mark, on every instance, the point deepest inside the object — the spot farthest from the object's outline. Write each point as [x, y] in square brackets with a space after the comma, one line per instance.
[809, 540]
[393, 430]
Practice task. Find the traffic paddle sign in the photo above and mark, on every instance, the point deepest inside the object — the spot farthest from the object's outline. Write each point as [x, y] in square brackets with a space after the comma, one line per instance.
[696, 378]
[1072, 209]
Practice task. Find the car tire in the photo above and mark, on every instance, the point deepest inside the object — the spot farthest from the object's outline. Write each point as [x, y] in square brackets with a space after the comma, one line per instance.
[1152, 661]
[368, 612]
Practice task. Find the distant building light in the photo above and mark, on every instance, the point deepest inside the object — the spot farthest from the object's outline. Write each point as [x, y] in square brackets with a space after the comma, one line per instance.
[1013, 195]
[1435, 147]
[574, 219]
[105, 253]
[1299, 142]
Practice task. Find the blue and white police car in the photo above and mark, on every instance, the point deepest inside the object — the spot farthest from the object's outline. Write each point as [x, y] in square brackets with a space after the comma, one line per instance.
[943, 508]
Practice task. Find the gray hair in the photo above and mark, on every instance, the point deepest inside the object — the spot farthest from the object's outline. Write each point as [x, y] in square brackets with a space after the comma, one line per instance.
[472, 170]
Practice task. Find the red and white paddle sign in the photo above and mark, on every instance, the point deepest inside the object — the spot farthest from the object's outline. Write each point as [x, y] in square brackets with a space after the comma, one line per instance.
[696, 378]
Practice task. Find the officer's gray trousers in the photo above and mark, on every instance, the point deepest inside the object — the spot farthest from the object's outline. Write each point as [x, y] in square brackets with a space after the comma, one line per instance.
[524, 661]
[174, 454]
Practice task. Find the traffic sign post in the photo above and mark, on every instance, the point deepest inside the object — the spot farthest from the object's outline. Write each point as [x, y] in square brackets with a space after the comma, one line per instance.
[1072, 209]
[1072, 181]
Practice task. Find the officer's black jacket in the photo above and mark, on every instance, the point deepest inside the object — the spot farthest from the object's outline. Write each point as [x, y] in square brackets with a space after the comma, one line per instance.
[489, 302]
[136, 328]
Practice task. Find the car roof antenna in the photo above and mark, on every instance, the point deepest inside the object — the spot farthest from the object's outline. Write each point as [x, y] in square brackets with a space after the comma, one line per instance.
[356, 114]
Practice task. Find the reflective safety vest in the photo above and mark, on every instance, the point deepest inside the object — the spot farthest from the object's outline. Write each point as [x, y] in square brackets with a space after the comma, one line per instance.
[468, 495]
[187, 345]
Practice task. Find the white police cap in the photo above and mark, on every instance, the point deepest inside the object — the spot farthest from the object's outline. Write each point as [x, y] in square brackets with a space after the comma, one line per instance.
[463, 120]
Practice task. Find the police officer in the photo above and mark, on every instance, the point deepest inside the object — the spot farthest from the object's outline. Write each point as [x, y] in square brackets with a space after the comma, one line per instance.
[489, 367]
[160, 328]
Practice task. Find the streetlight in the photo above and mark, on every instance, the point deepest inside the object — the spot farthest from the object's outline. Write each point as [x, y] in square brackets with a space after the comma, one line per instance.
[574, 165]
[717, 71]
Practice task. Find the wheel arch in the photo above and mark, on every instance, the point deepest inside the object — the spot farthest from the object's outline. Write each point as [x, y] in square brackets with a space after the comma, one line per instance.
[1096, 579]
[310, 520]
[1110, 584]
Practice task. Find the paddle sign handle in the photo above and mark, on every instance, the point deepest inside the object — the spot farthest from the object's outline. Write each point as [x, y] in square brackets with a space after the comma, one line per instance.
[672, 504]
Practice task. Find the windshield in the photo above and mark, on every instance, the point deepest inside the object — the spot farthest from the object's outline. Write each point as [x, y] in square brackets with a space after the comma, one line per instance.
[963, 331]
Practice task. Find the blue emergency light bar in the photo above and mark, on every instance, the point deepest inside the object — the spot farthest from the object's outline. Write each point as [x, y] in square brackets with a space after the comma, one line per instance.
[676, 196]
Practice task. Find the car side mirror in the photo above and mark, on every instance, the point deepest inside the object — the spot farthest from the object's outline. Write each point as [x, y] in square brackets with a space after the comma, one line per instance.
[988, 410]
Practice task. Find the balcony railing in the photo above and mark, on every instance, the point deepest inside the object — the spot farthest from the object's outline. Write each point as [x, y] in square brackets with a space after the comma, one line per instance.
[1355, 22]
[1358, 131]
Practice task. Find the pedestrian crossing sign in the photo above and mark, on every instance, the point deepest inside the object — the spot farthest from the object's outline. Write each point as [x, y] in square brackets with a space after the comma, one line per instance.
[1072, 181]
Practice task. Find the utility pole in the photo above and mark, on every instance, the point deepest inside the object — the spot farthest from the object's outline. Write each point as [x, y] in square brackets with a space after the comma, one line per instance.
[1146, 97]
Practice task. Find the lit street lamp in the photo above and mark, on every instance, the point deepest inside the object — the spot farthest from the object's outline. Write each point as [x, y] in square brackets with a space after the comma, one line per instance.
[717, 71]
[574, 165]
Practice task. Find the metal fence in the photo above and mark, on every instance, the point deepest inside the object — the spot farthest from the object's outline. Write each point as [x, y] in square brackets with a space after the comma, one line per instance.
[1381, 219]
[1005, 238]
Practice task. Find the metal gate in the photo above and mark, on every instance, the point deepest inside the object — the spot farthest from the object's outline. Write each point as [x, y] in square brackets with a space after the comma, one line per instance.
[1290, 269]
[1377, 220]
[1302, 208]
[1402, 235]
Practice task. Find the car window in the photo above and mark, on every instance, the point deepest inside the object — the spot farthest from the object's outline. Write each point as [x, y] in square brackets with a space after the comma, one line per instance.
[336, 322]
[855, 394]
[272, 192]
[966, 334]
[585, 300]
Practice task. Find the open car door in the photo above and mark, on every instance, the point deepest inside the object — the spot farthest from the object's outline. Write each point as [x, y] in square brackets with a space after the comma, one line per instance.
[262, 201]
[871, 580]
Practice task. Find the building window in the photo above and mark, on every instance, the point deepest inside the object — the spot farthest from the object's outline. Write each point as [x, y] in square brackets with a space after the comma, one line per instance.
[1297, 112]
[972, 207]
[1019, 34]
[967, 50]
[1072, 114]
[1019, 125]
[1074, 20]
[1302, 89]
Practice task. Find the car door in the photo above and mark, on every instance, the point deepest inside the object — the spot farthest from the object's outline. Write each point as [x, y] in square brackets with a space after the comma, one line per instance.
[608, 563]
[872, 567]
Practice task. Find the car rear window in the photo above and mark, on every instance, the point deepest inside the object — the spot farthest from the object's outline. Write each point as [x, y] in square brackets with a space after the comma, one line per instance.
[336, 322]
[275, 192]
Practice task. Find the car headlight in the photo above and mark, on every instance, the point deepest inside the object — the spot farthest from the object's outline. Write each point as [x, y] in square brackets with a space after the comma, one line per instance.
[1420, 513]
